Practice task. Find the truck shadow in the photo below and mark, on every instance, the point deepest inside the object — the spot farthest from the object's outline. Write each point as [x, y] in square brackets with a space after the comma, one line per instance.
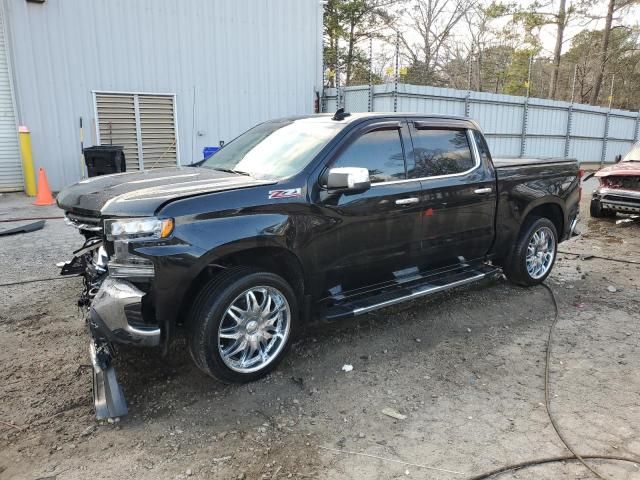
[158, 387]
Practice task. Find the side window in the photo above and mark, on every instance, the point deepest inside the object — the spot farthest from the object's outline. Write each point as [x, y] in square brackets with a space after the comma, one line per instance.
[440, 152]
[379, 151]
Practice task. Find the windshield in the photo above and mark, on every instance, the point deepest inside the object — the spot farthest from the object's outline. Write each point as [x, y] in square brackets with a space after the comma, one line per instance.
[633, 155]
[276, 149]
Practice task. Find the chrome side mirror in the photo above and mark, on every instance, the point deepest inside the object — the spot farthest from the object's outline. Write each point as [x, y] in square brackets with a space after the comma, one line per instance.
[352, 179]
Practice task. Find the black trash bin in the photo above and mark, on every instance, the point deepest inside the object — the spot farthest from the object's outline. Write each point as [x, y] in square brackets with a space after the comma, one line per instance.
[104, 159]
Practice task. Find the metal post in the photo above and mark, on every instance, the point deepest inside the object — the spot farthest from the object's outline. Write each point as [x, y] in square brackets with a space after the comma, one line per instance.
[525, 119]
[605, 138]
[636, 133]
[395, 86]
[606, 125]
[470, 62]
[338, 99]
[567, 139]
[611, 93]
[525, 113]
[573, 85]
[28, 171]
[370, 105]
[468, 95]
[529, 76]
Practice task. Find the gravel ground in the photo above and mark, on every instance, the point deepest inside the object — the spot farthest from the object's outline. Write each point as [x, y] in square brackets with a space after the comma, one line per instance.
[466, 368]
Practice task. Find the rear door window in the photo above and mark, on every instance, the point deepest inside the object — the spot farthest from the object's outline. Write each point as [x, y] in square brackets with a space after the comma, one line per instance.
[440, 152]
[379, 151]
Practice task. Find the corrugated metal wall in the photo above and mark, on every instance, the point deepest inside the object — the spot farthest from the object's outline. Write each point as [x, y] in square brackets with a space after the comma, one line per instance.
[230, 63]
[10, 166]
[514, 126]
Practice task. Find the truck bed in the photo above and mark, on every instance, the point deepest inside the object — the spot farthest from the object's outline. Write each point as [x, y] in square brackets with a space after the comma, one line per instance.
[517, 162]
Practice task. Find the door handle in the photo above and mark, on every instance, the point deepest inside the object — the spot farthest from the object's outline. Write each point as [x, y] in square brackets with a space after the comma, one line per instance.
[480, 191]
[407, 201]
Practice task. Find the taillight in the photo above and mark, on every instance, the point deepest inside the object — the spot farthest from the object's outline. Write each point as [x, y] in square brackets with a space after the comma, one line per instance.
[580, 175]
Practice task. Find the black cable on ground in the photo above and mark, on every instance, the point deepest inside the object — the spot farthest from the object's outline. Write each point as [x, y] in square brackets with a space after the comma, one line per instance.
[575, 456]
[543, 461]
[547, 402]
[610, 259]
[26, 219]
[23, 282]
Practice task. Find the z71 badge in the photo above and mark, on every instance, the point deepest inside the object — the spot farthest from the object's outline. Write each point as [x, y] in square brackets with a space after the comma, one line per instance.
[287, 193]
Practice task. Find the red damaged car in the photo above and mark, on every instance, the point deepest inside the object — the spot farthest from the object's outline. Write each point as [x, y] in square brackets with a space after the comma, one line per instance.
[619, 189]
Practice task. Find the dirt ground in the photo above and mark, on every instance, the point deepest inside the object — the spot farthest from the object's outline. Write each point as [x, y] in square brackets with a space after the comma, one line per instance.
[466, 368]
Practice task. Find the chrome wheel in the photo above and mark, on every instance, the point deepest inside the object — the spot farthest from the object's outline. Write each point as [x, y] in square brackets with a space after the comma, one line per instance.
[541, 251]
[254, 330]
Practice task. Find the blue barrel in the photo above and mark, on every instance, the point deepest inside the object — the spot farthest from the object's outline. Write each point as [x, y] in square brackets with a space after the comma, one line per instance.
[209, 151]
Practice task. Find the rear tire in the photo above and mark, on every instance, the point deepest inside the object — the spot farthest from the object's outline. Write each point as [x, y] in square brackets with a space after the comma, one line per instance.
[241, 324]
[596, 210]
[534, 253]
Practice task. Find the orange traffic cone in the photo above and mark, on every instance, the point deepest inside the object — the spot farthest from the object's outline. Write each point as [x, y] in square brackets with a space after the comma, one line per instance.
[43, 197]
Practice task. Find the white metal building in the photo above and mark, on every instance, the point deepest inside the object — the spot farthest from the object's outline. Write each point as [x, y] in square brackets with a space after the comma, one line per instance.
[163, 78]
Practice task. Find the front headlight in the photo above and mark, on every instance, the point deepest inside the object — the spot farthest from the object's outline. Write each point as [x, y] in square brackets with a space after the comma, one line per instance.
[130, 228]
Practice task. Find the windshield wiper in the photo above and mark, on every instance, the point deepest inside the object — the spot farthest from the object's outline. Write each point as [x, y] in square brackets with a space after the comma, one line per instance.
[228, 170]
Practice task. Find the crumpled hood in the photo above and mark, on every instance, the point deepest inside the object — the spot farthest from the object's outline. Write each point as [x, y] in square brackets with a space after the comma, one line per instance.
[621, 168]
[142, 193]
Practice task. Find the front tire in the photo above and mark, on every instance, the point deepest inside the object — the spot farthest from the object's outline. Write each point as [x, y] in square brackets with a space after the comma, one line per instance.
[241, 324]
[596, 210]
[534, 253]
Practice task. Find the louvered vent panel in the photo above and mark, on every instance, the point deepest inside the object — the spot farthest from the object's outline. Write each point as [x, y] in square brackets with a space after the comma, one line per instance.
[117, 124]
[157, 125]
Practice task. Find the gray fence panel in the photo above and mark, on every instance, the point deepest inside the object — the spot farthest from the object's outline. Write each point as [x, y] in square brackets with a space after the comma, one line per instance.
[616, 147]
[588, 124]
[622, 127]
[545, 147]
[503, 146]
[545, 121]
[506, 120]
[514, 126]
[585, 150]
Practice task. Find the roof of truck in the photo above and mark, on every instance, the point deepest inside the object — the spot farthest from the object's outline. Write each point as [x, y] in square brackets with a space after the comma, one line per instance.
[361, 115]
[353, 117]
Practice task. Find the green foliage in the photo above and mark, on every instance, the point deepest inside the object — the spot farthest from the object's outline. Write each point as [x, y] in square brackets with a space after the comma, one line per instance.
[622, 66]
[347, 24]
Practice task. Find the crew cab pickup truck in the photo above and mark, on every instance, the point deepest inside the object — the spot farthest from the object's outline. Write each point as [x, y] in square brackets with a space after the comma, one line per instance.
[306, 218]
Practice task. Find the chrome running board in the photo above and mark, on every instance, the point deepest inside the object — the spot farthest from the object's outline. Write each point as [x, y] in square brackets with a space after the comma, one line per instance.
[417, 286]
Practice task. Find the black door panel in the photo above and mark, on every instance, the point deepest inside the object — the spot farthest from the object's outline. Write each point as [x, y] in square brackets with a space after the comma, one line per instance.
[457, 220]
[375, 233]
[459, 197]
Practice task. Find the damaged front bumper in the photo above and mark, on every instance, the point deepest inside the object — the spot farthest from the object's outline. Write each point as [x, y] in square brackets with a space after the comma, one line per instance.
[573, 228]
[114, 316]
[108, 399]
[116, 304]
[114, 311]
[618, 199]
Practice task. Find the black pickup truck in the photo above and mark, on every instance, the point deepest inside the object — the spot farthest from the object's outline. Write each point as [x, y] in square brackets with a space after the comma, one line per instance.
[305, 218]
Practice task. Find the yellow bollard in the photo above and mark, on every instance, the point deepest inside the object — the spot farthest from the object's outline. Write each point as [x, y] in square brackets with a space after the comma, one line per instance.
[27, 161]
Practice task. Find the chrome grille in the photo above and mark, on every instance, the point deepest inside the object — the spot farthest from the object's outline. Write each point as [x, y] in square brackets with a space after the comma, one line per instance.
[81, 222]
